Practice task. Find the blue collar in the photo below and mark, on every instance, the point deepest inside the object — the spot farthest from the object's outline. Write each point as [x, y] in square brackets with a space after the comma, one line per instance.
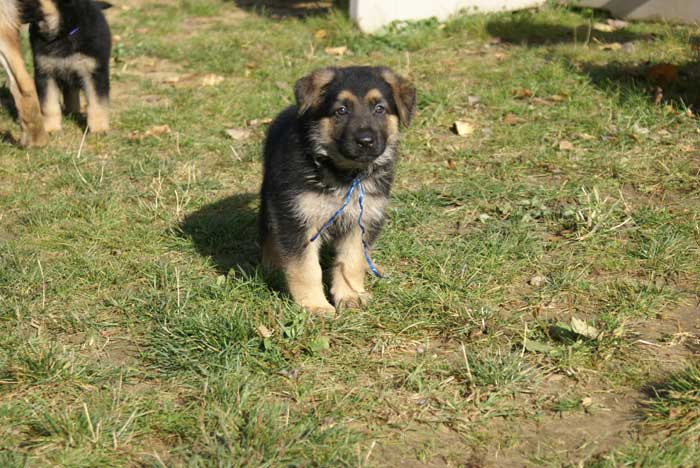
[356, 183]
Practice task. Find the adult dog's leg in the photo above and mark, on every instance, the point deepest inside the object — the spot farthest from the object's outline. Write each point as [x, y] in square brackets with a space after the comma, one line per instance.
[22, 88]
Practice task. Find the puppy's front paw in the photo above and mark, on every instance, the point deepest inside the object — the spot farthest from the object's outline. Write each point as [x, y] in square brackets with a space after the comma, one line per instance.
[352, 300]
[34, 138]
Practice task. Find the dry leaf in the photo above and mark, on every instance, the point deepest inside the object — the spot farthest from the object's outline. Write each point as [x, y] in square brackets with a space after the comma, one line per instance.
[263, 331]
[617, 24]
[565, 145]
[586, 402]
[158, 130]
[540, 102]
[257, 122]
[283, 85]
[521, 93]
[663, 74]
[463, 128]
[320, 34]
[336, 51]
[239, 134]
[556, 98]
[658, 95]
[580, 327]
[473, 100]
[212, 80]
[639, 130]
[612, 25]
[537, 281]
[451, 164]
[291, 374]
[586, 136]
[603, 27]
[512, 119]
[499, 56]
[611, 46]
[154, 131]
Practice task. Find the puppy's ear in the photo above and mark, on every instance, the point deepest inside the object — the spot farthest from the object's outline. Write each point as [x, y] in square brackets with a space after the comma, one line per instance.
[103, 5]
[50, 17]
[404, 94]
[309, 90]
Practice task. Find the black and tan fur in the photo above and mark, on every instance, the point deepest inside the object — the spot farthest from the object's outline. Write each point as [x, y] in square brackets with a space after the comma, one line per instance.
[345, 124]
[71, 53]
[44, 15]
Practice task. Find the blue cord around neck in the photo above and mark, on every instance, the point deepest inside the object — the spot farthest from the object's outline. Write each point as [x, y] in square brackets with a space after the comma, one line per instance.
[356, 183]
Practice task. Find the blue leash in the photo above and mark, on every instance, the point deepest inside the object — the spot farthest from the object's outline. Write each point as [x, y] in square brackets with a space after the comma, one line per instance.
[357, 182]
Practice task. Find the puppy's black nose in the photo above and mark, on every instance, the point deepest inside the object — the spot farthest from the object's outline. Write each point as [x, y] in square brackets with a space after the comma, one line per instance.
[364, 138]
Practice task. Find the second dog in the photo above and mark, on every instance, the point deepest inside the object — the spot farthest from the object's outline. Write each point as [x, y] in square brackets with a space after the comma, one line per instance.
[71, 44]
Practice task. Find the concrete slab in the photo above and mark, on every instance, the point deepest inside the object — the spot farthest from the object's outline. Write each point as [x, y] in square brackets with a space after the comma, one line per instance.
[372, 15]
[682, 11]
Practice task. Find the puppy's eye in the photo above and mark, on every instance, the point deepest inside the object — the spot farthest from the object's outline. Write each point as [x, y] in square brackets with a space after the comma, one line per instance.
[379, 109]
[342, 110]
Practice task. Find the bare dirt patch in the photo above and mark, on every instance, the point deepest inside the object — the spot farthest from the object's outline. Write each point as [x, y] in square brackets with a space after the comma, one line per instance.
[671, 339]
[419, 447]
[570, 437]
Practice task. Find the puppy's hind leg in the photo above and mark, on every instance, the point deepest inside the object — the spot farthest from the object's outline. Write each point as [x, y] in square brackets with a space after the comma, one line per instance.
[71, 99]
[22, 88]
[96, 87]
[50, 99]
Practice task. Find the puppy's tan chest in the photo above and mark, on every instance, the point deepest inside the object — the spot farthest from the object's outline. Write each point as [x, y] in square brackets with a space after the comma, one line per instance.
[316, 209]
[79, 64]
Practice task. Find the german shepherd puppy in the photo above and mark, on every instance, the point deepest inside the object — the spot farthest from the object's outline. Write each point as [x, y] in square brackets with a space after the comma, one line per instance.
[342, 134]
[71, 48]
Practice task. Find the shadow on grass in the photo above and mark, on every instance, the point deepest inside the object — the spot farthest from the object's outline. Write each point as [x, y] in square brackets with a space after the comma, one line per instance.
[291, 8]
[526, 28]
[227, 232]
[675, 84]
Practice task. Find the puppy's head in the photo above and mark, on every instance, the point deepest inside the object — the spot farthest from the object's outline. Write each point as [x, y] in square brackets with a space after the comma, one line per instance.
[54, 17]
[354, 113]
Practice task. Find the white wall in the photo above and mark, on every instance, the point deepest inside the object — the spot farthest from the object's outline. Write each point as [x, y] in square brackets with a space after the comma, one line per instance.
[371, 15]
[686, 11]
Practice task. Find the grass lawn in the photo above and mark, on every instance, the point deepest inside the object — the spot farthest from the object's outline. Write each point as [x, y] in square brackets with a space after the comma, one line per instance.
[543, 271]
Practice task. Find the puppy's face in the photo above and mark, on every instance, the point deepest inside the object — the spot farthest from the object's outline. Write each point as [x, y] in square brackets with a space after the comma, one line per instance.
[354, 113]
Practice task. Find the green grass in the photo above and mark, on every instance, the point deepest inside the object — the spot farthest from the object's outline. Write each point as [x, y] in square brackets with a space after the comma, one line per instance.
[132, 299]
